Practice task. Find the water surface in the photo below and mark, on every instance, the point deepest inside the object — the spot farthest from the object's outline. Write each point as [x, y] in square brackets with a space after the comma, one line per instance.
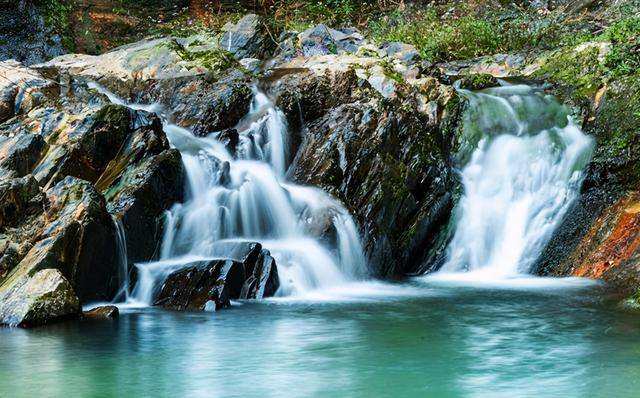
[426, 338]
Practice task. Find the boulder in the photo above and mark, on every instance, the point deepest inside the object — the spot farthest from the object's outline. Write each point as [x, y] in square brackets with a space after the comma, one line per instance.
[44, 297]
[102, 312]
[139, 196]
[20, 153]
[246, 271]
[77, 238]
[203, 285]
[322, 40]
[262, 281]
[247, 38]
[21, 88]
[17, 200]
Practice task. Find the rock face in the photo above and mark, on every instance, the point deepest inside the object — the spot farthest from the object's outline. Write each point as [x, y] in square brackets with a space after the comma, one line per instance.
[62, 151]
[23, 35]
[386, 152]
[45, 297]
[249, 273]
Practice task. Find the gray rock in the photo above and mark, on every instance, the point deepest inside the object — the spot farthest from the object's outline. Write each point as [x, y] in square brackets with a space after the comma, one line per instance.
[322, 40]
[246, 39]
[39, 299]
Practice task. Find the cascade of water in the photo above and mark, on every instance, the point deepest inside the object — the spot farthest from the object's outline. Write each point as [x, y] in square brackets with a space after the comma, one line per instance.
[520, 180]
[123, 259]
[243, 197]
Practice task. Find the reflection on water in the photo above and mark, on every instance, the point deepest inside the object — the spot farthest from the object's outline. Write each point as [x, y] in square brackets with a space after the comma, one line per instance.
[426, 339]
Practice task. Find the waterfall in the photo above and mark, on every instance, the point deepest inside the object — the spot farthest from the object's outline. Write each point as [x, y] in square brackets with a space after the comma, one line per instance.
[123, 262]
[523, 174]
[244, 197]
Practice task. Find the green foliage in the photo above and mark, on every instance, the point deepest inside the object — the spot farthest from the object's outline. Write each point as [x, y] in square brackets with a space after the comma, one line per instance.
[57, 16]
[624, 57]
[469, 36]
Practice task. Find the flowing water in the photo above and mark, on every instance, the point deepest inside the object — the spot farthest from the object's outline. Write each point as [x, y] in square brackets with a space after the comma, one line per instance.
[246, 198]
[521, 178]
[482, 327]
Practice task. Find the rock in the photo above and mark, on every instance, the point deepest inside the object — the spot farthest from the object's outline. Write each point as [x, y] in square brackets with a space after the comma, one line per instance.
[24, 36]
[245, 271]
[20, 153]
[21, 89]
[246, 39]
[322, 40]
[17, 200]
[140, 194]
[193, 287]
[77, 237]
[39, 299]
[262, 280]
[384, 158]
[103, 312]
[402, 51]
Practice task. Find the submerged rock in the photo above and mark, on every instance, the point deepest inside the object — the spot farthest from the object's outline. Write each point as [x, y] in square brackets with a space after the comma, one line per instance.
[103, 312]
[35, 300]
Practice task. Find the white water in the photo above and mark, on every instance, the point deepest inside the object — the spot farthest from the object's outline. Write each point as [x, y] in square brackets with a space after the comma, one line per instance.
[123, 262]
[518, 184]
[245, 198]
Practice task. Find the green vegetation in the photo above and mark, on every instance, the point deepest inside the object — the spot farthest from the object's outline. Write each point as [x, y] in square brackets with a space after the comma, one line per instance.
[57, 16]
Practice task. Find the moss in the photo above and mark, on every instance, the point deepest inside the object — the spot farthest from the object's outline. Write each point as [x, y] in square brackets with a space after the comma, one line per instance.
[112, 114]
[213, 59]
[581, 69]
[478, 81]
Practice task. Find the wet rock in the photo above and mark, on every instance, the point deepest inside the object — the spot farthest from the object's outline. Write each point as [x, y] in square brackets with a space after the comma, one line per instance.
[389, 160]
[140, 195]
[21, 89]
[193, 287]
[23, 34]
[35, 300]
[20, 153]
[17, 200]
[246, 271]
[247, 38]
[262, 281]
[103, 312]
[77, 237]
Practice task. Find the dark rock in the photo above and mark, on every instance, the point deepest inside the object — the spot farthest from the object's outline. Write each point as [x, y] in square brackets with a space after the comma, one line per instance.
[35, 300]
[140, 195]
[262, 280]
[103, 312]
[20, 153]
[389, 162]
[23, 34]
[17, 200]
[194, 286]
